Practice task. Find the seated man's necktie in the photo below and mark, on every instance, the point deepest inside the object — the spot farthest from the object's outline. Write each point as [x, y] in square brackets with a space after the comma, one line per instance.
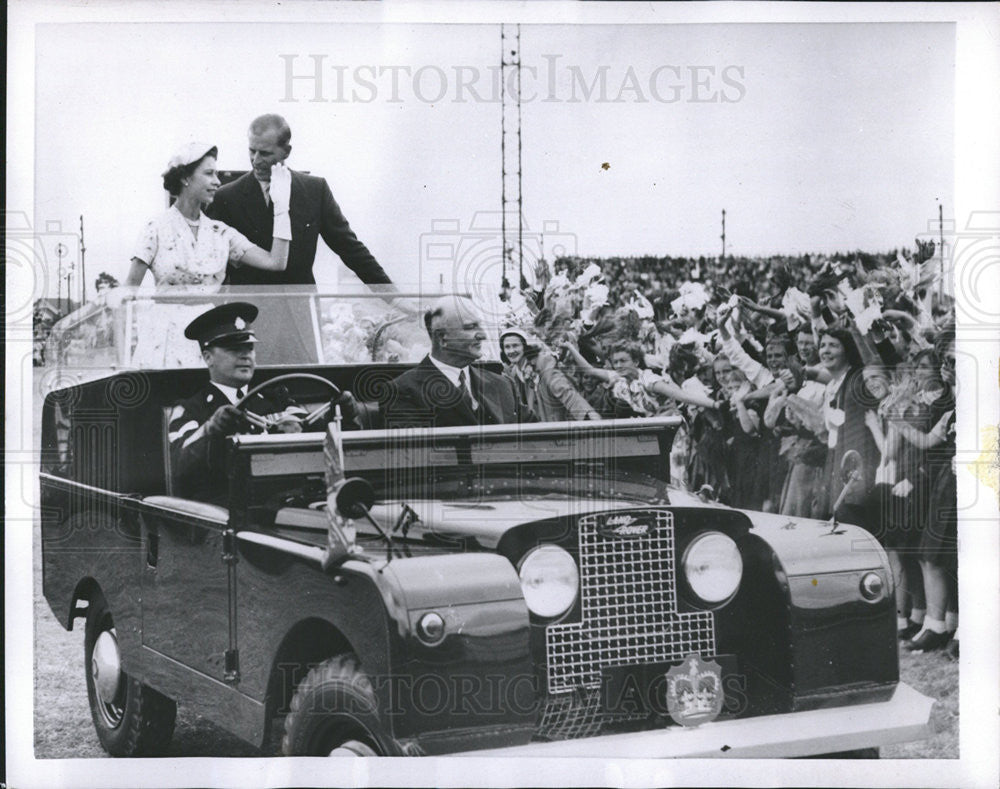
[467, 398]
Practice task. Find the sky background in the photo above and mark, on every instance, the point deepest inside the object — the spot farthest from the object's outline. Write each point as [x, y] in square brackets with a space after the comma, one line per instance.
[821, 137]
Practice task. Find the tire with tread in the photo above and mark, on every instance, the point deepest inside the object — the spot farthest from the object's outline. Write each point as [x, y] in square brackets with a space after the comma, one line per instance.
[140, 721]
[335, 704]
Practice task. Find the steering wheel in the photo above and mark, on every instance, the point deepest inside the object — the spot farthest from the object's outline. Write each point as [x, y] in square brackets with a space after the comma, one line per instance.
[312, 415]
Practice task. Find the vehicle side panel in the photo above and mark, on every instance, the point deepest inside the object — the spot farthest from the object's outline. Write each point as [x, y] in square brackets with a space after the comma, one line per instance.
[185, 595]
[91, 543]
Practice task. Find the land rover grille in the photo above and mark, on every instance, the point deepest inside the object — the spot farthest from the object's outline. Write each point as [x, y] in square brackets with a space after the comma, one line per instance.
[628, 602]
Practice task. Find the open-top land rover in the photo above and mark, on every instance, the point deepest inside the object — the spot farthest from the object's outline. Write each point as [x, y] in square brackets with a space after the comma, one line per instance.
[536, 588]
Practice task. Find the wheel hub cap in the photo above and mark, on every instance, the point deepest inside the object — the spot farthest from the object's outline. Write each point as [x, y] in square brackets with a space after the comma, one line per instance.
[106, 666]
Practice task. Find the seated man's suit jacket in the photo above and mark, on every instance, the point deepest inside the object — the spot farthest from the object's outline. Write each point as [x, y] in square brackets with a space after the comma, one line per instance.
[424, 397]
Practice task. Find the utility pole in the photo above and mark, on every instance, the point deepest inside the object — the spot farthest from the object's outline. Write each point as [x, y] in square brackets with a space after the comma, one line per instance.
[510, 152]
[83, 268]
[60, 253]
[723, 233]
[941, 249]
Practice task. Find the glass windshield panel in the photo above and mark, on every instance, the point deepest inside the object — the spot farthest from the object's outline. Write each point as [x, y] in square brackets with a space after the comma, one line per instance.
[297, 326]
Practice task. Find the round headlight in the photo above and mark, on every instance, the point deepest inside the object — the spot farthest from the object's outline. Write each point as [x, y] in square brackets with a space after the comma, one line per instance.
[713, 567]
[430, 627]
[872, 587]
[549, 580]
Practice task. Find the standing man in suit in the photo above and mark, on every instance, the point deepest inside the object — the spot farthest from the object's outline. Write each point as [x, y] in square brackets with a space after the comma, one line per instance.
[199, 425]
[244, 205]
[445, 390]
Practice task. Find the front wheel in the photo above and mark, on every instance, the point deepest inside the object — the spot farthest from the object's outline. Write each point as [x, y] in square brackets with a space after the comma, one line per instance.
[334, 712]
[131, 719]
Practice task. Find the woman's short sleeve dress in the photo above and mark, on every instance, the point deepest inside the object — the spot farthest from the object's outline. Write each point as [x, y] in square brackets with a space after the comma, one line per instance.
[168, 246]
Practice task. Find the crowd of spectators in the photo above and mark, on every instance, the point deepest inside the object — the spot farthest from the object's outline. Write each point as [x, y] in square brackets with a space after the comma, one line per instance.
[810, 386]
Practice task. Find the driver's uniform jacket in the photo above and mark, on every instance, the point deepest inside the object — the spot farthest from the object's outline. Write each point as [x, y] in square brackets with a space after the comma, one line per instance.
[197, 460]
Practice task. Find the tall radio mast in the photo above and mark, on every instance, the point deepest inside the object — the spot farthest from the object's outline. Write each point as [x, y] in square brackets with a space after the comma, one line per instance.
[510, 153]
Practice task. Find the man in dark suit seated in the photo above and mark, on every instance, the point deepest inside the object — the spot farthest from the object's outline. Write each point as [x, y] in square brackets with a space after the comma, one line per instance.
[445, 390]
[199, 425]
[244, 204]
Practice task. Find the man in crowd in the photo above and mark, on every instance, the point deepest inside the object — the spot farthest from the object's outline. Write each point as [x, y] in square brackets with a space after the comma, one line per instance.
[244, 205]
[199, 424]
[445, 390]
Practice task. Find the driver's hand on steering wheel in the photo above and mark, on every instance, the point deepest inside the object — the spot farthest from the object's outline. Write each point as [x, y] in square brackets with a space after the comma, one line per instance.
[226, 421]
[288, 423]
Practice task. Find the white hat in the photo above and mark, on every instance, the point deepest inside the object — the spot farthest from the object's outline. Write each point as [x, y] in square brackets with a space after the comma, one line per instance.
[188, 153]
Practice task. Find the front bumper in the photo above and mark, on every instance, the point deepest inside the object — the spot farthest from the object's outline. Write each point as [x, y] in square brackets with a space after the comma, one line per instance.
[904, 717]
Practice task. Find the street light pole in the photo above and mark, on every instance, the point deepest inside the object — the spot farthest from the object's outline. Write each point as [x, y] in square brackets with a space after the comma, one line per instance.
[723, 234]
[941, 232]
[60, 253]
[83, 268]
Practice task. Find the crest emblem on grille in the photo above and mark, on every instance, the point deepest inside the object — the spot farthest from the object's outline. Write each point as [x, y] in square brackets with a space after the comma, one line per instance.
[625, 525]
[694, 691]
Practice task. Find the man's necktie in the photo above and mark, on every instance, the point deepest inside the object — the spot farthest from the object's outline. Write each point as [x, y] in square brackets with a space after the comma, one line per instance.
[463, 384]
[266, 186]
[240, 393]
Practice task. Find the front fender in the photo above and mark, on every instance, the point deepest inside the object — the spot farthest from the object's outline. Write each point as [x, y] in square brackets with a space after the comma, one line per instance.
[479, 675]
[816, 640]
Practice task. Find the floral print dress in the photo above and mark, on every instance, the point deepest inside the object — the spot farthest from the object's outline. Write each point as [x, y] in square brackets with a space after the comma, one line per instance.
[168, 246]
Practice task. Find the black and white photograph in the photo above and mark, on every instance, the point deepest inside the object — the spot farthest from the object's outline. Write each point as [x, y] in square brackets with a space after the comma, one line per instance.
[502, 394]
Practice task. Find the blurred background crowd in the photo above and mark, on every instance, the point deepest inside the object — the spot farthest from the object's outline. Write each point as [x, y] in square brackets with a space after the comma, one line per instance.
[810, 386]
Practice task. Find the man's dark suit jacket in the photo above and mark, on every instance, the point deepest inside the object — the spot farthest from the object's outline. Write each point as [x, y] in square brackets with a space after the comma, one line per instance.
[313, 213]
[196, 459]
[424, 397]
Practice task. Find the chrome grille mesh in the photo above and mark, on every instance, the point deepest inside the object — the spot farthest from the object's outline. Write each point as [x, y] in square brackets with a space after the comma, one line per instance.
[569, 716]
[628, 607]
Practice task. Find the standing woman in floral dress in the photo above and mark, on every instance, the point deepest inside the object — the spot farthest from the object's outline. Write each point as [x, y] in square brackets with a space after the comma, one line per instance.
[184, 247]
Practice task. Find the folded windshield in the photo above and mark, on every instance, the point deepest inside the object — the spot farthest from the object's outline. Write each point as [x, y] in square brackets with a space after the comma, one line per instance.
[615, 458]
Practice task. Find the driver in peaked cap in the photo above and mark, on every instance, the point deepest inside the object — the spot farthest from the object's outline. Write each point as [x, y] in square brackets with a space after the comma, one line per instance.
[198, 424]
